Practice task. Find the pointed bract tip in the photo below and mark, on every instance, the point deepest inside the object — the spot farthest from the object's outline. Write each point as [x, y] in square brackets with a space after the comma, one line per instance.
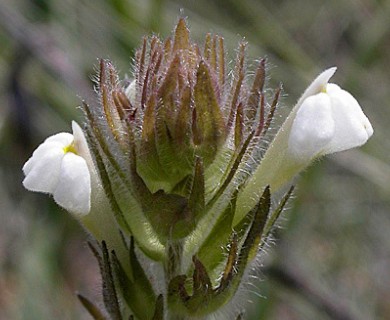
[182, 36]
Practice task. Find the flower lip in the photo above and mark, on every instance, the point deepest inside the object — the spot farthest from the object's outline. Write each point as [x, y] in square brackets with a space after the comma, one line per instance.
[56, 168]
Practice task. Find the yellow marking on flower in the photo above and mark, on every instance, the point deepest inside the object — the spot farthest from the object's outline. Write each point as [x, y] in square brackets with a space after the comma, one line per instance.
[70, 148]
[324, 88]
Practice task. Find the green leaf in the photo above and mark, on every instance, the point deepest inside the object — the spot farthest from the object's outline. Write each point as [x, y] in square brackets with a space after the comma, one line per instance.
[110, 297]
[139, 294]
[254, 236]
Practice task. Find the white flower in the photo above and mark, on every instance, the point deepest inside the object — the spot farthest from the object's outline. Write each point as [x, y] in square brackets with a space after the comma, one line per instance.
[325, 120]
[57, 168]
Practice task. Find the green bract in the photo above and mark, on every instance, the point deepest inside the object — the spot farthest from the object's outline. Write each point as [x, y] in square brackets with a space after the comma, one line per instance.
[173, 149]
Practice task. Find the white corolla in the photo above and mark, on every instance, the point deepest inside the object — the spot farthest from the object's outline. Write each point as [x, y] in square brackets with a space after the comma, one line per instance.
[328, 119]
[325, 120]
[58, 167]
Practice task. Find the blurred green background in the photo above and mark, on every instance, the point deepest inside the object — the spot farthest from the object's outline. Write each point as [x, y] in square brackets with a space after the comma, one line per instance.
[332, 256]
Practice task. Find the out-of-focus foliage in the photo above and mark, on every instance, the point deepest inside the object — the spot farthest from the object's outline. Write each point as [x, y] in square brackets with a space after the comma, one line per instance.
[336, 239]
